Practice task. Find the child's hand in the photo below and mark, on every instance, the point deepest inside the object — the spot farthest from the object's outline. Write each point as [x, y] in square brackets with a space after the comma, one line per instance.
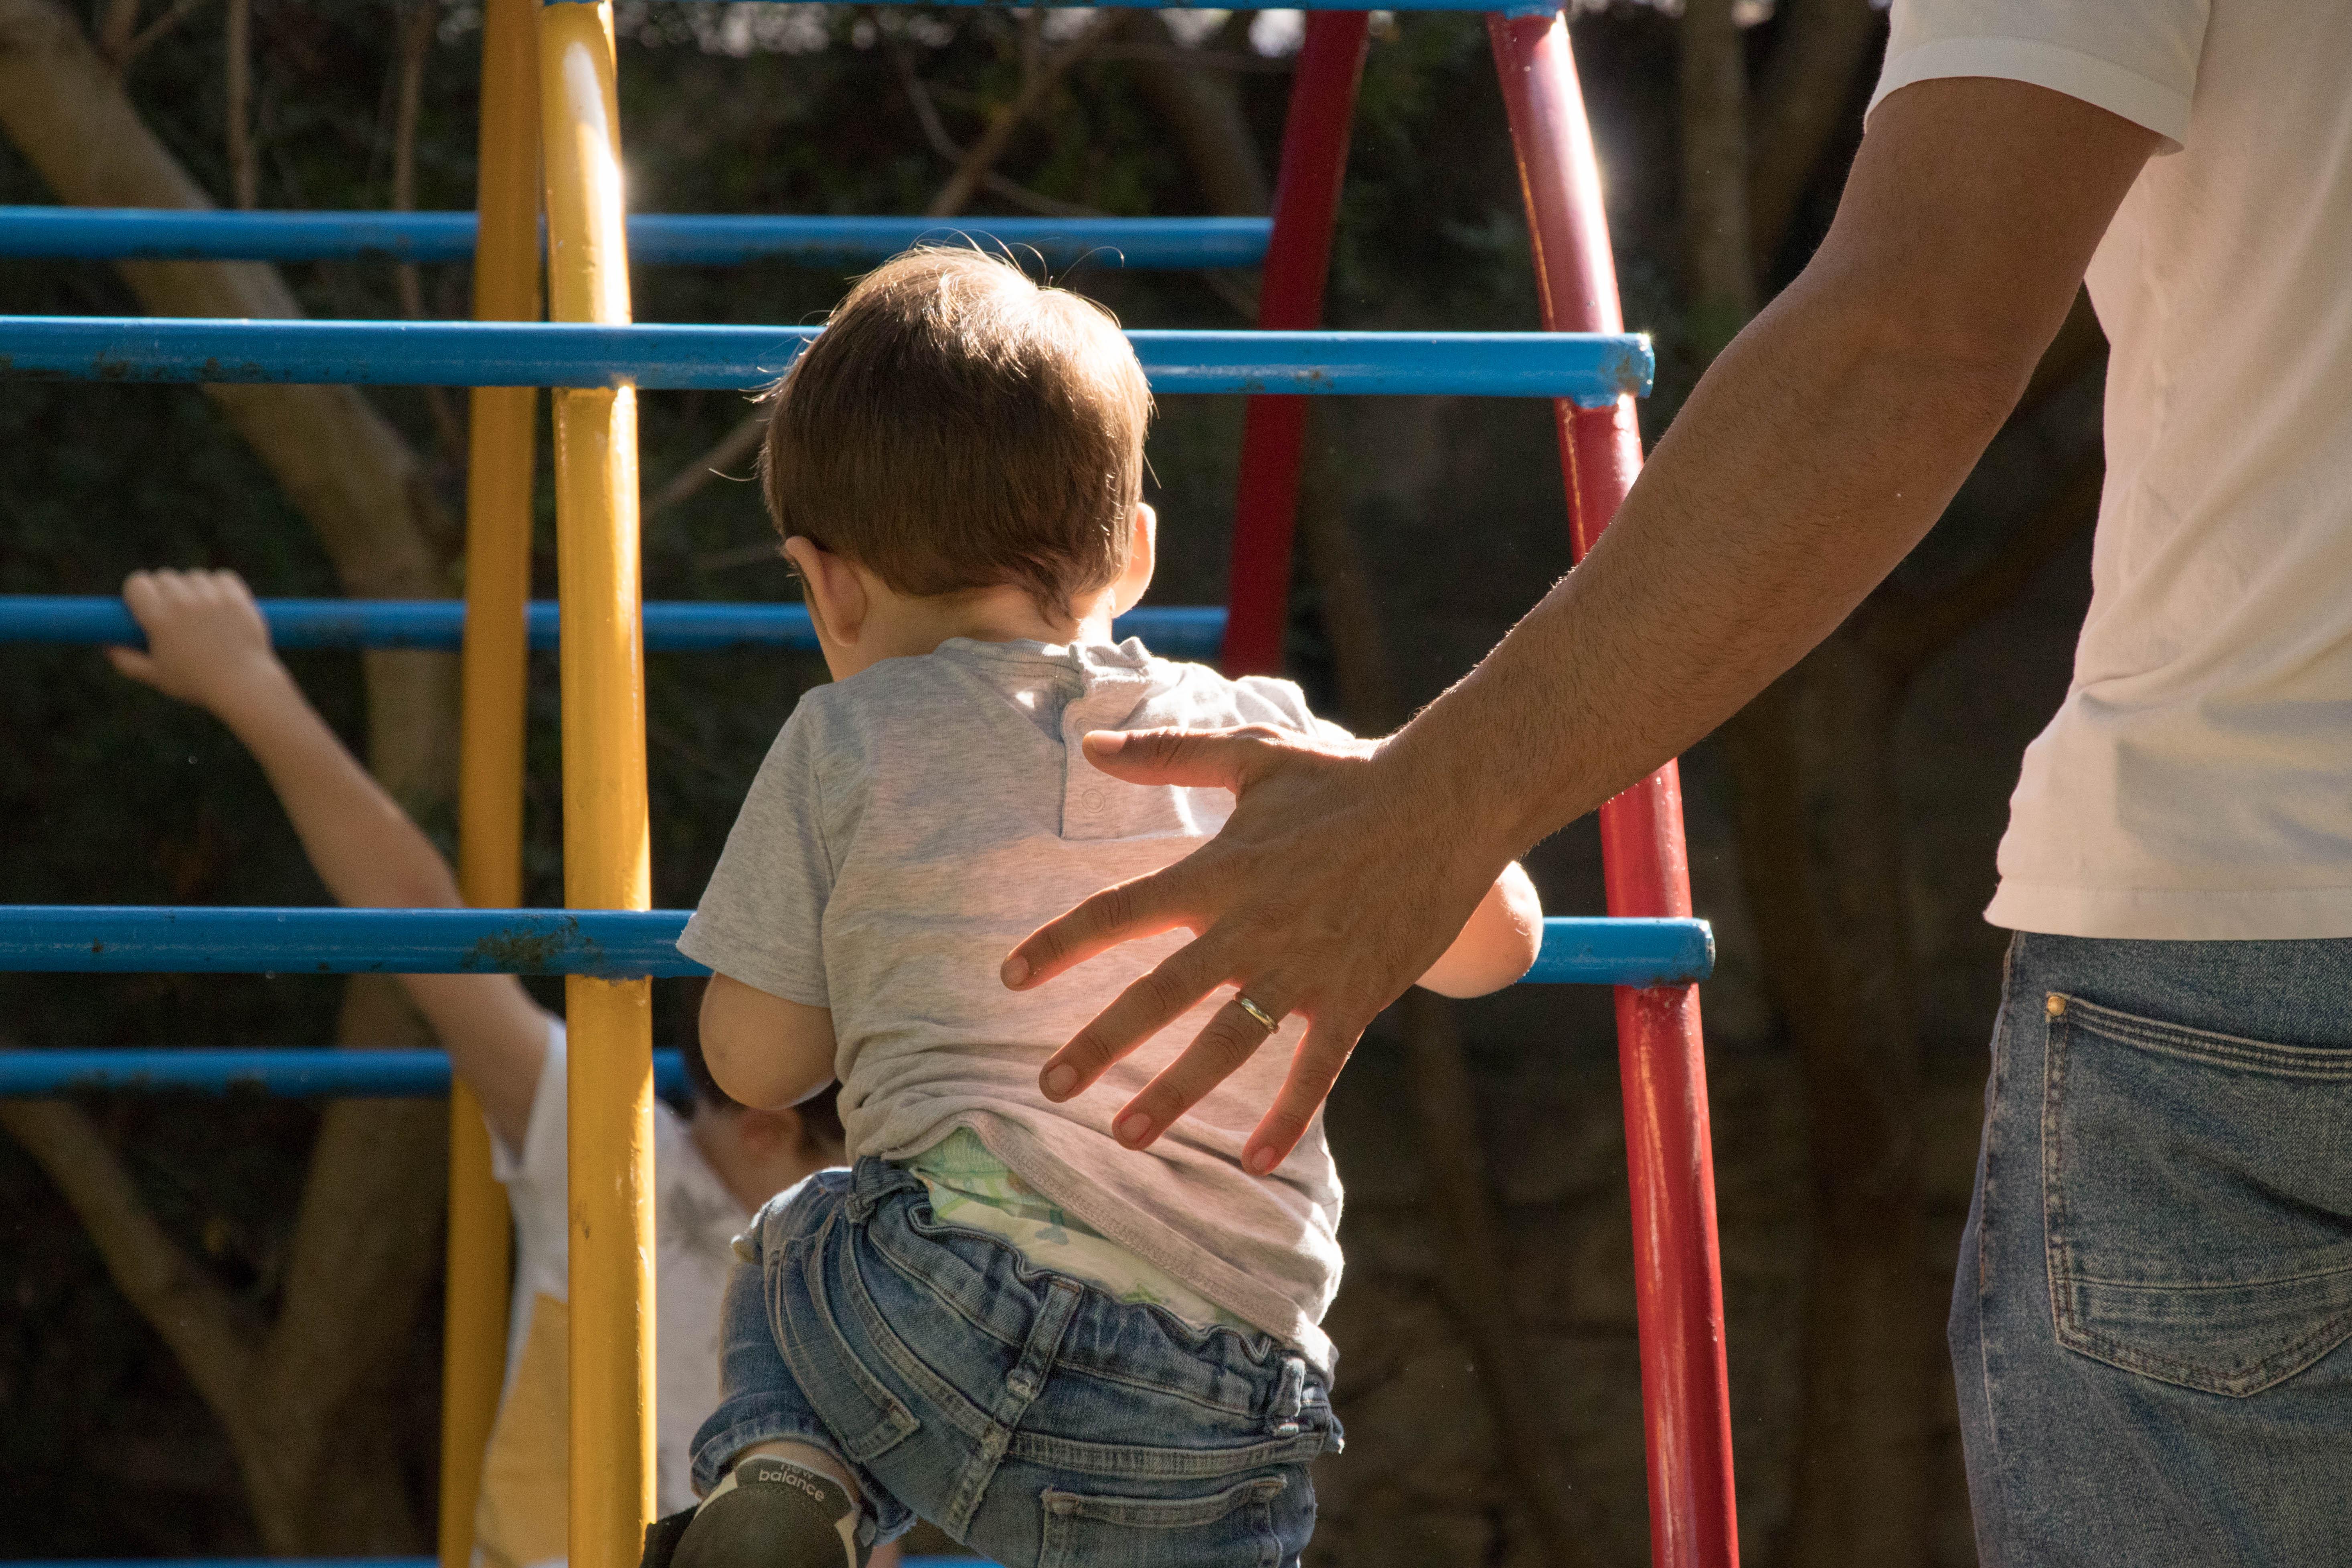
[206, 641]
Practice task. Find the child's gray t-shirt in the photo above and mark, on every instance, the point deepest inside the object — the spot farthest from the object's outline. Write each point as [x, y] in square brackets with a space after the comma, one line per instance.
[915, 822]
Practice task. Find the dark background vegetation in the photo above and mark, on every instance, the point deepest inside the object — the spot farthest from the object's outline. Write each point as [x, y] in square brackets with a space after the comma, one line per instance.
[1842, 831]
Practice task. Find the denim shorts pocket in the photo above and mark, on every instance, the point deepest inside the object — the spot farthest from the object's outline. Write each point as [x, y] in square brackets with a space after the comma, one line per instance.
[1233, 1528]
[2197, 1198]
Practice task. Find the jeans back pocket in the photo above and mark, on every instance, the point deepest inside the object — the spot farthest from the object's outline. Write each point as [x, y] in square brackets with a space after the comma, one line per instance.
[1230, 1528]
[2197, 1198]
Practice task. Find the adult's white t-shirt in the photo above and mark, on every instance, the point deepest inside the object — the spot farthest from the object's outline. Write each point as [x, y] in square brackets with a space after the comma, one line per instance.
[2197, 781]
[521, 1518]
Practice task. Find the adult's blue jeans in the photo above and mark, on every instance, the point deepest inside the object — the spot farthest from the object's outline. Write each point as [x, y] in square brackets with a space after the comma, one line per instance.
[2155, 1290]
[1031, 1415]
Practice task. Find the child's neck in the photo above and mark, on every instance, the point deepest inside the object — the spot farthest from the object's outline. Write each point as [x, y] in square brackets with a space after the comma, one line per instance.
[899, 625]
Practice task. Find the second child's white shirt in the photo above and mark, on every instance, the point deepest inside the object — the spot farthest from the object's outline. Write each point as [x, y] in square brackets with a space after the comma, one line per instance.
[696, 1219]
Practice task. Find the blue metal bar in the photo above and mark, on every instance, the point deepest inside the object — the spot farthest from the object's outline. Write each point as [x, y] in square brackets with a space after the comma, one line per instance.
[1589, 369]
[173, 234]
[609, 944]
[324, 1563]
[293, 1074]
[1624, 953]
[99, 939]
[1177, 631]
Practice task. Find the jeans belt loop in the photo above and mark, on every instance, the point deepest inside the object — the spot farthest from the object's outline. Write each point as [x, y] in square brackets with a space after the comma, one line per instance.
[869, 1183]
[1290, 1396]
[1027, 1379]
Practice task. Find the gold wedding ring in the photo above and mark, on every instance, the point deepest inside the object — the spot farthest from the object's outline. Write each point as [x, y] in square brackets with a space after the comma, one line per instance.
[1254, 1011]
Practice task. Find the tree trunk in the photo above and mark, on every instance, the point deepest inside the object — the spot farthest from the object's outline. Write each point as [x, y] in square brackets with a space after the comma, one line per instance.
[1819, 830]
[1802, 97]
[365, 1247]
[1473, 1272]
[344, 465]
[1719, 284]
[1203, 109]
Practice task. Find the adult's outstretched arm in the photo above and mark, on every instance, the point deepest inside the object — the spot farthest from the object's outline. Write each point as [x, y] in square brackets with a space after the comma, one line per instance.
[1815, 453]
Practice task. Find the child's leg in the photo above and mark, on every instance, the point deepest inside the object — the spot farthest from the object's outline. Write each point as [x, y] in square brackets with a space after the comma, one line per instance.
[777, 1490]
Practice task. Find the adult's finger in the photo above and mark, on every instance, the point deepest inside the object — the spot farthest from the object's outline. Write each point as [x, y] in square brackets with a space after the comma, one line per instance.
[1198, 759]
[1314, 1068]
[1137, 1012]
[1143, 907]
[1216, 1053]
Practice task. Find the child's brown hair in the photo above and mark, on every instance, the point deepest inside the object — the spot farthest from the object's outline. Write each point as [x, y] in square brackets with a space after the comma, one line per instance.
[957, 426]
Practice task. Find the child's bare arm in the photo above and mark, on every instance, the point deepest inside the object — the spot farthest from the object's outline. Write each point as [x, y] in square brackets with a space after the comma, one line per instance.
[206, 644]
[763, 1051]
[1497, 942]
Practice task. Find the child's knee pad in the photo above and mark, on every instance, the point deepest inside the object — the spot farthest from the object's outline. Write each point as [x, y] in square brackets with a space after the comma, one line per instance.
[772, 1513]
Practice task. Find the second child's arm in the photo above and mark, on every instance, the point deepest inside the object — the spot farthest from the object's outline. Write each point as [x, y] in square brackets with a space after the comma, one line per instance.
[207, 643]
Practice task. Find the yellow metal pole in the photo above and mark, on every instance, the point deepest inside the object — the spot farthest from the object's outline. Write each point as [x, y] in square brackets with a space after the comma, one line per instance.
[491, 734]
[606, 852]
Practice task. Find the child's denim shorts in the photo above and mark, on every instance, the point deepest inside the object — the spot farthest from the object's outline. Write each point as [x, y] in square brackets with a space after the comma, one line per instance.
[1030, 1415]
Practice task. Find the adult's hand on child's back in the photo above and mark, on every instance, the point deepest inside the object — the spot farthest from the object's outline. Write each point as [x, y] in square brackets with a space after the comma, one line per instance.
[205, 638]
[1336, 883]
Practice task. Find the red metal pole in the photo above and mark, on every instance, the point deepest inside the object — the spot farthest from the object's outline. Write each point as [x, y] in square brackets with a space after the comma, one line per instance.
[1290, 298]
[1678, 1279]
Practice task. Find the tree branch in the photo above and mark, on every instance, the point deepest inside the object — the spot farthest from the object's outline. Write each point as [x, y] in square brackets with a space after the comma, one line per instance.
[362, 1253]
[245, 170]
[1202, 59]
[729, 449]
[1474, 1275]
[416, 39]
[2078, 341]
[1476, 1281]
[181, 1302]
[139, 43]
[1819, 840]
[927, 115]
[1908, 629]
[1039, 82]
[416, 42]
[1719, 279]
[115, 32]
[343, 465]
[1806, 86]
[366, 1245]
[1350, 613]
[1042, 72]
[1204, 110]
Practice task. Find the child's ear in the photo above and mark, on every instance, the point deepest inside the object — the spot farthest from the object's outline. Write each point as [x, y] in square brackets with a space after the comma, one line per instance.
[1142, 558]
[837, 598]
